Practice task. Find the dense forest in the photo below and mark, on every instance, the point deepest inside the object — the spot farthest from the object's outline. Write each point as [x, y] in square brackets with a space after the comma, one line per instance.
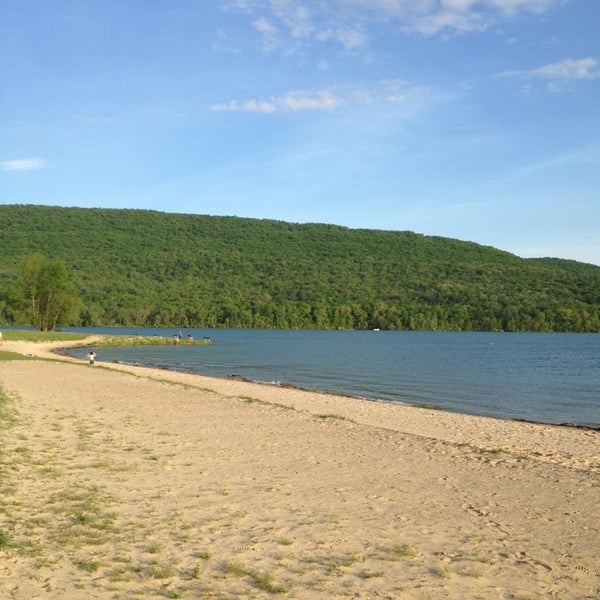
[147, 268]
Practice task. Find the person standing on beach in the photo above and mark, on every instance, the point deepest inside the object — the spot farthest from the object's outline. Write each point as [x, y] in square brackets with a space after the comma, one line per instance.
[1, 340]
[91, 357]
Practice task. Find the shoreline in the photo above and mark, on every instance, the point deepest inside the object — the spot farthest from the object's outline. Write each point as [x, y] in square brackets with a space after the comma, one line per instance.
[63, 350]
[365, 411]
[291, 386]
[121, 481]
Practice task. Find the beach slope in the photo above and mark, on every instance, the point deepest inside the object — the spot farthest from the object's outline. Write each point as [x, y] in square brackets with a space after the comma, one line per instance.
[123, 482]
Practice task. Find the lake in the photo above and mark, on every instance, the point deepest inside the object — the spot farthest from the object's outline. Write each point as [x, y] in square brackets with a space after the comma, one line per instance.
[550, 378]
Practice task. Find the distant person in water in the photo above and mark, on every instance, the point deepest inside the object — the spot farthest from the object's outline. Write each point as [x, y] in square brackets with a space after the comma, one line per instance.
[190, 338]
[1, 340]
[91, 356]
[180, 335]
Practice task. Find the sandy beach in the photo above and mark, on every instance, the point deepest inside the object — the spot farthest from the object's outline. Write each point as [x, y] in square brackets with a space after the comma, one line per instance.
[123, 482]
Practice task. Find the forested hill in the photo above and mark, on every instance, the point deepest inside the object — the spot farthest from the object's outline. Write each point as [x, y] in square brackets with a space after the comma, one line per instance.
[145, 268]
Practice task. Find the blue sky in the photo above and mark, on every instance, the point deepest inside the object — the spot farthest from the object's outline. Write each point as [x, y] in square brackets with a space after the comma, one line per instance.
[472, 119]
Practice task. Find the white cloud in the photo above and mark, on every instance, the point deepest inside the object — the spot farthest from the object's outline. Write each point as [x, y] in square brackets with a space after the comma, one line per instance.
[403, 8]
[296, 17]
[293, 101]
[514, 6]
[288, 23]
[450, 18]
[392, 8]
[345, 21]
[562, 72]
[247, 6]
[24, 164]
[346, 37]
[585, 68]
[427, 17]
[464, 16]
[391, 93]
[269, 33]
[277, 21]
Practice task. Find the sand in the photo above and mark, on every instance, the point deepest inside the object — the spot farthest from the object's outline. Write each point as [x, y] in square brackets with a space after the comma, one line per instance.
[122, 482]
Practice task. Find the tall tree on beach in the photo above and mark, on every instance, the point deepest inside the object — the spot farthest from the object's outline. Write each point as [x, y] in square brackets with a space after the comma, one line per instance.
[44, 293]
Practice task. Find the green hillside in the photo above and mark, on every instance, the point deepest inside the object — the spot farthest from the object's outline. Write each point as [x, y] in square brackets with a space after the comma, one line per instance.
[146, 268]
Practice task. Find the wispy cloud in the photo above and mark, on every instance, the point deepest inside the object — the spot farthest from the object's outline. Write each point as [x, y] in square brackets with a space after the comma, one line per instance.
[269, 33]
[289, 102]
[588, 154]
[430, 17]
[288, 24]
[348, 37]
[295, 16]
[513, 6]
[389, 92]
[561, 73]
[24, 164]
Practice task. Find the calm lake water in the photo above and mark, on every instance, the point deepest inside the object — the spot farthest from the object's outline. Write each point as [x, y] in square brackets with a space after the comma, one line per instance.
[551, 378]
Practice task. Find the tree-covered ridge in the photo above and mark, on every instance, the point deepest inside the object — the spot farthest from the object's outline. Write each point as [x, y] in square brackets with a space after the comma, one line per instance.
[138, 267]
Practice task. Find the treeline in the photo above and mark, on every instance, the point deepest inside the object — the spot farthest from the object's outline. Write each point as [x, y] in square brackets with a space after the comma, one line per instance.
[146, 268]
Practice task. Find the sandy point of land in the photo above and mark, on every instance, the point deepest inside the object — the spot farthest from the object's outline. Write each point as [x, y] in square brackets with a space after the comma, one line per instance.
[122, 482]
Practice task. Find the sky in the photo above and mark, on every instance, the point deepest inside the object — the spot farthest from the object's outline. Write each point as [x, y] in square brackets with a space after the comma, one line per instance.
[471, 119]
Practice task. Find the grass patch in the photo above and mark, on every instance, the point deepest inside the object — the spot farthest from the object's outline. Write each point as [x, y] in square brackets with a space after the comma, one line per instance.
[26, 335]
[4, 540]
[264, 581]
[334, 416]
[8, 418]
[119, 574]
[194, 573]
[142, 340]
[260, 579]
[161, 571]
[89, 566]
[474, 573]
[403, 551]
[14, 356]
[82, 517]
[334, 564]
[23, 335]
[486, 560]
[495, 452]
[250, 400]
[500, 453]
[369, 574]
[235, 568]
[7, 412]
[446, 572]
